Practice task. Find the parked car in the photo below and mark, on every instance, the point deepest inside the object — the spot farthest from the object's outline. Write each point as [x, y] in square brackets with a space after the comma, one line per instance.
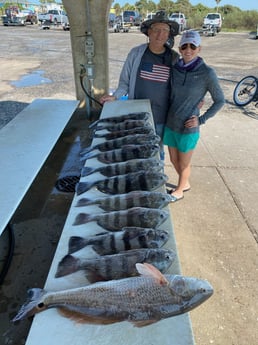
[180, 18]
[132, 18]
[53, 17]
[213, 20]
[30, 17]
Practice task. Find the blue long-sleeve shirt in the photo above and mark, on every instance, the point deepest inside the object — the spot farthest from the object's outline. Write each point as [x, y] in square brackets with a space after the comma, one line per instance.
[188, 89]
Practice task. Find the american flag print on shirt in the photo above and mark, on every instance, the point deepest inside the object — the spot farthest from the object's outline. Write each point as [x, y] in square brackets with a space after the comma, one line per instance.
[154, 72]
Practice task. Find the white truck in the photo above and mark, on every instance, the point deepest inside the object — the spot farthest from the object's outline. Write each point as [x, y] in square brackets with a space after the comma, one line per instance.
[53, 17]
[180, 18]
[213, 22]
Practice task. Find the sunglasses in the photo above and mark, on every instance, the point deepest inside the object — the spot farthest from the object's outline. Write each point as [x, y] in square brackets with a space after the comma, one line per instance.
[192, 46]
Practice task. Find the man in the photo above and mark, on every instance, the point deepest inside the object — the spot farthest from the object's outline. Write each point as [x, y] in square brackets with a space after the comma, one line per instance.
[147, 70]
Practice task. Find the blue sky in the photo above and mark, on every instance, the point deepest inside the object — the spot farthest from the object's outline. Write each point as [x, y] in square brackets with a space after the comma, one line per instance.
[243, 5]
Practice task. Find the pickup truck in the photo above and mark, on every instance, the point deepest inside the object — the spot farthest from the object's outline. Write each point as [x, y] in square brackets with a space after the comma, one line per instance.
[53, 17]
[180, 18]
[213, 20]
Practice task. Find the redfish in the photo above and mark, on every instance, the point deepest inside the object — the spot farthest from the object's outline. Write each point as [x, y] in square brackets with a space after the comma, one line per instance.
[141, 300]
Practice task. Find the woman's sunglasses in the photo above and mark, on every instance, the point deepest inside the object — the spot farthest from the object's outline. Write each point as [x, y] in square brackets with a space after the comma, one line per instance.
[192, 46]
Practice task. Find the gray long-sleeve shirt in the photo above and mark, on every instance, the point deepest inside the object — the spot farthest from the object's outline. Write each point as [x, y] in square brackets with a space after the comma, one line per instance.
[189, 88]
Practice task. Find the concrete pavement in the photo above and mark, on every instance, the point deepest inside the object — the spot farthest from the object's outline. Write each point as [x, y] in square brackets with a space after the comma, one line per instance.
[216, 227]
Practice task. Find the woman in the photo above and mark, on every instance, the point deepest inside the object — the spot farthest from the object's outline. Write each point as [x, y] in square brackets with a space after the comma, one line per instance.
[192, 79]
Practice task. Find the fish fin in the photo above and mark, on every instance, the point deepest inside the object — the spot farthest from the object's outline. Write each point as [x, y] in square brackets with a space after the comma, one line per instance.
[85, 171]
[143, 323]
[82, 218]
[33, 305]
[69, 264]
[76, 243]
[83, 187]
[149, 270]
[84, 202]
[82, 318]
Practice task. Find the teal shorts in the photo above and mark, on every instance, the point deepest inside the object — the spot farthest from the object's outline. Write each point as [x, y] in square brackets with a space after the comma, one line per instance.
[183, 142]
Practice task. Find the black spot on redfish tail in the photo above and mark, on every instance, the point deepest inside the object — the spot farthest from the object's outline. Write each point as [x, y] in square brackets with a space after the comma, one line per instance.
[69, 264]
[83, 187]
[76, 243]
[82, 218]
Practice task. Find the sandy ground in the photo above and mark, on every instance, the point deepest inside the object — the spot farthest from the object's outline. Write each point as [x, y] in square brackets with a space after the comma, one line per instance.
[216, 224]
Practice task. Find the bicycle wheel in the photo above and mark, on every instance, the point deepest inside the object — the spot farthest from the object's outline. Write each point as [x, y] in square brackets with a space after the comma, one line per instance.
[245, 91]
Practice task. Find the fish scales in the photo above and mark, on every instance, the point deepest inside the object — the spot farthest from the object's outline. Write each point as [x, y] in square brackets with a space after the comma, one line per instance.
[126, 239]
[122, 133]
[118, 142]
[126, 167]
[125, 125]
[115, 266]
[155, 297]
[125, 153]
[128, 200]
[120, 118]
[116, 220]
[142, 180]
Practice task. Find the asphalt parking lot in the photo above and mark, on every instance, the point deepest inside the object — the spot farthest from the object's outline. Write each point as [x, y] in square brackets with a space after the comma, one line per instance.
[216, 224]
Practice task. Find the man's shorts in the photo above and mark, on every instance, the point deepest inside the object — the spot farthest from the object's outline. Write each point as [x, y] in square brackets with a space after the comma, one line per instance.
[183, 142]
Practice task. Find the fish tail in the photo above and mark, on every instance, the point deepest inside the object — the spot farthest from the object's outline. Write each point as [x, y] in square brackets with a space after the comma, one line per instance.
[87, 171]
[85, 202]
[86, 150]
[76, 243]
[83, 187]
[88, 156]
[82, 218]
[31, 307]
[93, 124]
[69, 264]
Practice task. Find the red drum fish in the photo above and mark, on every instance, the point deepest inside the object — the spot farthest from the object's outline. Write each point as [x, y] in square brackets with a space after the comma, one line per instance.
[141, 300]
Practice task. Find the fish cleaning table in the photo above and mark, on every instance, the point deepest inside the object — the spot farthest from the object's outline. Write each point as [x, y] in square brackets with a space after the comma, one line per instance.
[49, 327]
[25, 144]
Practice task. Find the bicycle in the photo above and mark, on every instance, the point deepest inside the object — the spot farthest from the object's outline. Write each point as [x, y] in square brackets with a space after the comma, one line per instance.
[246, 91]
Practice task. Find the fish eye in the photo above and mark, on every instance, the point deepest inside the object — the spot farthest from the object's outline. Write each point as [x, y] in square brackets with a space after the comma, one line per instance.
[41, 305]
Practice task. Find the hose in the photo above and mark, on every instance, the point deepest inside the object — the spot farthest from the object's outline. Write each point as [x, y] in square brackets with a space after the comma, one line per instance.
[82, 76]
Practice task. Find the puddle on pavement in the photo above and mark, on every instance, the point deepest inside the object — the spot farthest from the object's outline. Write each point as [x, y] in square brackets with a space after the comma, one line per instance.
[35, 78]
